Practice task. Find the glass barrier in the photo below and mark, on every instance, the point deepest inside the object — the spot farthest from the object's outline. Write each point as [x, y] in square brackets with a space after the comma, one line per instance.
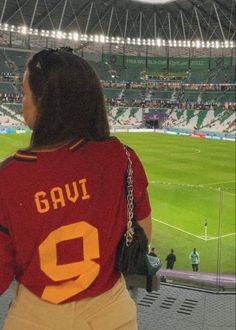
[195, 216]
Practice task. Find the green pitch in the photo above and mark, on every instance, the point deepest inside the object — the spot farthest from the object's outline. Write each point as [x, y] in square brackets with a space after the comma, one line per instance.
[190, 180]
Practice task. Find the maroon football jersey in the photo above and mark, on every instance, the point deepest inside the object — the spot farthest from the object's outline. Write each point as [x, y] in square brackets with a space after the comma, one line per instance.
[62, 214]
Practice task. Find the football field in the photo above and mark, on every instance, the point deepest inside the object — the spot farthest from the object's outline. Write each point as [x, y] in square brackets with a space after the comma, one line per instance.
[190, 180]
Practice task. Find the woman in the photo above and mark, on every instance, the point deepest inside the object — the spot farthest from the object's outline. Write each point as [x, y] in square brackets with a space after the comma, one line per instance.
[63, 204]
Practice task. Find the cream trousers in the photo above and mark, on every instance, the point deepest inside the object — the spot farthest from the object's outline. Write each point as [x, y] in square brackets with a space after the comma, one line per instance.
[111, 310]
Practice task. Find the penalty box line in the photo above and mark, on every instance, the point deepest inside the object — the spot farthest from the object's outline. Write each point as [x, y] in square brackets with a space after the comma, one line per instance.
[188, 233]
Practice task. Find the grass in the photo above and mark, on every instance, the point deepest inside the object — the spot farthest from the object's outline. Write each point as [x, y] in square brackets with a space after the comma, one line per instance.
[190, 180]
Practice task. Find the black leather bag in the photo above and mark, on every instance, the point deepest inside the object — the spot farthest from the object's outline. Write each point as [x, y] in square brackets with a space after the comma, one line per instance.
[133, 246]
[132, 258]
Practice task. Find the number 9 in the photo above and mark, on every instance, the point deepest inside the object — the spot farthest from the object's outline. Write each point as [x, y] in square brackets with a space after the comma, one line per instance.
[86, 270]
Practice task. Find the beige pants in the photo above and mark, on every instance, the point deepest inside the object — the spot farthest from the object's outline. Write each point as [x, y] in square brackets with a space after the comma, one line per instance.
[111, 310]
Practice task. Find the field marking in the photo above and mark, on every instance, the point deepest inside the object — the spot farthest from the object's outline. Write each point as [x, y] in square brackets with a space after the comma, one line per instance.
[202, 237]
[211, 238]
[207, 184]
[184, 231]
[196, 151]
[193, 185]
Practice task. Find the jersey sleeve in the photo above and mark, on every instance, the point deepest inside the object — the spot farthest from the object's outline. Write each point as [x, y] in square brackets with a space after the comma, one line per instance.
[142, 206]
[6, 251]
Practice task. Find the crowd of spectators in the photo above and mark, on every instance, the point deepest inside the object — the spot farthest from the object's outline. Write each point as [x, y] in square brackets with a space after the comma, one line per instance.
[145, 87]
[188, 105]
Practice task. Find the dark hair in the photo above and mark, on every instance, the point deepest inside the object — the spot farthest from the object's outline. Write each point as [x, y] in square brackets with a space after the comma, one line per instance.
[69, 98]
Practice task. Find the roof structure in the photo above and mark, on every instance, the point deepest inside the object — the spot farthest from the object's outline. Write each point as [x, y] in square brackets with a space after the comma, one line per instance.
[180, 19]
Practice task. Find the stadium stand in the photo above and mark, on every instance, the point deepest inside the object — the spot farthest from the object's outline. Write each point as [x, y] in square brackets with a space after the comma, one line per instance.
[189, 89]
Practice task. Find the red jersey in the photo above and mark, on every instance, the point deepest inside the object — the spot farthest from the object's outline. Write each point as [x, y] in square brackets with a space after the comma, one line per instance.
[62, 214]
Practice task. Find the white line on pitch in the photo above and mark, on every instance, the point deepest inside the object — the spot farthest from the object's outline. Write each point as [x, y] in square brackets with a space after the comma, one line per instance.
[212, 238]
[188, 233]
[184, 231]
[208, 184]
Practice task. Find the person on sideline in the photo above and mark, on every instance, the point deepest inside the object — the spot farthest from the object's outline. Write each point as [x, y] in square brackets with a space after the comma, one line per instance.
[170, 260]
[63, 204]
[153, 252]
[195, 259]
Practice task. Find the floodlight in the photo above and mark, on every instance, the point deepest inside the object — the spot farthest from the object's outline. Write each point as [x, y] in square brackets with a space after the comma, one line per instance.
[102, 38]
[75, 36]
[158, 42]
[226, 44]
[59, 34]
[198, 43]
[91, 38]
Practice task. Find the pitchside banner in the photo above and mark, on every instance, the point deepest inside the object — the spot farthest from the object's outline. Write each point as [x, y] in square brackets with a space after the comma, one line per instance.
[174, 64]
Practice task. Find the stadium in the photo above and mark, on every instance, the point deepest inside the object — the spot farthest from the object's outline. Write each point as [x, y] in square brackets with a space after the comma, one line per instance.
[169, 79]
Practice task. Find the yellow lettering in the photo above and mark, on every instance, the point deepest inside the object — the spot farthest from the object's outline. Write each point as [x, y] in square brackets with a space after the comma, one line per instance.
[75, 192]
[84, 190]
[41, 204]
[57, 197]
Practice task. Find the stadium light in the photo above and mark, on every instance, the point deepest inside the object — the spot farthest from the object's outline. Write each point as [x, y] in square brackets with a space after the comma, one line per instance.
[158, 41]
[102, 39]
[119, 40]
[75, 36]
[198, 43]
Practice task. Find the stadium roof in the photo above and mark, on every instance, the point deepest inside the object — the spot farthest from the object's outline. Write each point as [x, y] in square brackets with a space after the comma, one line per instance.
[180, 19]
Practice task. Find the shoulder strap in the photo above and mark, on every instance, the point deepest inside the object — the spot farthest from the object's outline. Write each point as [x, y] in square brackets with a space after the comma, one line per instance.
[130, 199]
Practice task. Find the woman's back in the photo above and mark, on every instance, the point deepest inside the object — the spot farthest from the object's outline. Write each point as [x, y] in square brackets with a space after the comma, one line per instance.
[67, 212]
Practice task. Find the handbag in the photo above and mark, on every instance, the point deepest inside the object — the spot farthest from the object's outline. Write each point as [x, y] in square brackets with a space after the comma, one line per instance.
[133, 246]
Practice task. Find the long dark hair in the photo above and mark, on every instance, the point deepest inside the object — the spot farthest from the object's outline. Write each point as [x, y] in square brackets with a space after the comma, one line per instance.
[69, 98]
